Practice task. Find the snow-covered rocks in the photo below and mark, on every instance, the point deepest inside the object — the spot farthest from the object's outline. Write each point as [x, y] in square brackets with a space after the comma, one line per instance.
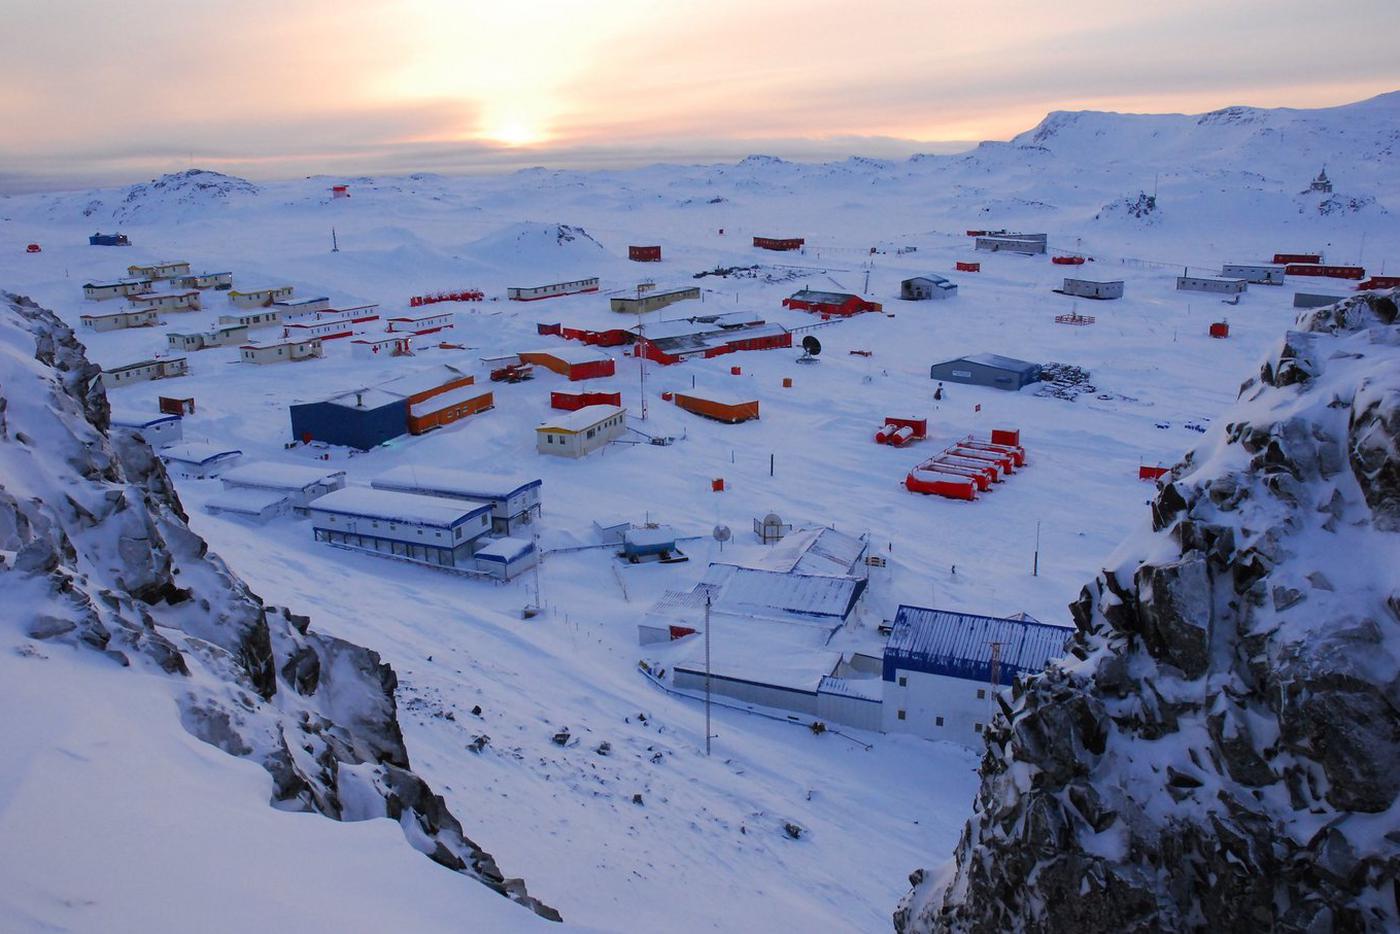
[96, 556]
[1219, 750]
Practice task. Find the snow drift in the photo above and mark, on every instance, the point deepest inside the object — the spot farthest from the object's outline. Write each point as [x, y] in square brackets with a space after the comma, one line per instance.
[1220, 750]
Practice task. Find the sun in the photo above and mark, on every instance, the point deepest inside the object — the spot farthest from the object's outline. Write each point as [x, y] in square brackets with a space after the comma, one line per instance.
[513, 134]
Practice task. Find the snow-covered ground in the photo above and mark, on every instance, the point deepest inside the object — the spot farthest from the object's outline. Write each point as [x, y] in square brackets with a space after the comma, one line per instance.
[705, 849]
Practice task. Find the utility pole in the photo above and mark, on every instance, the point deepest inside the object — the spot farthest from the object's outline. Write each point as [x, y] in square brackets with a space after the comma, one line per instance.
[641, 347]
[994, 681]
[707, 674]
[335, 246]
[1035, 565]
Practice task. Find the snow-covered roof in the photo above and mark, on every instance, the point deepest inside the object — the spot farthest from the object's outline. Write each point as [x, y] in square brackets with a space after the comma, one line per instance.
[650, 538]
[442, 400]
[118, 313]
[697, 324]
[751, 591]
[279, 476]
[812, 551]
[156, 296]
[571, 353]
[398, 507]
[959, 645]
[293, 302]
[870, 689]
[140, 363]
[246, 501]
[581, 419]
[458, 484]
[761, 658]
[198, 452]
[717, 397]
[505, 549]
[828, 298]
[125, 419]
[1000, 362]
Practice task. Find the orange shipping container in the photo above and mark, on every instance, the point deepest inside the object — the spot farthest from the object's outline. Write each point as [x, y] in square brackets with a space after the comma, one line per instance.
[720, 408]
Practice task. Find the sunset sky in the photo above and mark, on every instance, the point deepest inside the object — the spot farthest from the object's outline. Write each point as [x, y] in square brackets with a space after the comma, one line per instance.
[101, 91]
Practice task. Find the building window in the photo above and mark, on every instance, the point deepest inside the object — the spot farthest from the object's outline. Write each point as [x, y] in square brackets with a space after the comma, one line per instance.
[977, 727]
[903, 681]
[937, 721]
[900, 714]
[981, 693]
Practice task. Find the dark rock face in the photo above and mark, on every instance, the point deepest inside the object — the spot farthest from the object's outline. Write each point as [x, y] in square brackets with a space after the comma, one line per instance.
[127, 577]
[1220, 748]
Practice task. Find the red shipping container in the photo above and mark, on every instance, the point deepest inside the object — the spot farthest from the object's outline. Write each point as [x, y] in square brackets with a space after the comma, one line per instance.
[1151, 473]
[1008, 436]
[969, 267]
[1220, 329]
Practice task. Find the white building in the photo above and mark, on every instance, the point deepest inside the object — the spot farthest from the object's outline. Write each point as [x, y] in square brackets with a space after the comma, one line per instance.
[253, 319]
[282, 351]
[265, 490]
[514, 499]
[422, 322]
[537, 292]
[296, 306]
[166, 270]
[1093, 288]
[222, 335]
[374, 346]
[157, 430]
[505, 558]
[1261, 273]
[141, 371]
[1028, 244]
[581, 432]
[941, 669]
[199, 459]
[258, 298]
[115, 320]
[1210, 284]
[423, 529]
[221, 281]
[167, 301]
[121, 288]
[924, 288]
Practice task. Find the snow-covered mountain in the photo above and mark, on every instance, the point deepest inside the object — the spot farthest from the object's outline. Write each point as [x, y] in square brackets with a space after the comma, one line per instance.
[105, 580]
[1219, 749]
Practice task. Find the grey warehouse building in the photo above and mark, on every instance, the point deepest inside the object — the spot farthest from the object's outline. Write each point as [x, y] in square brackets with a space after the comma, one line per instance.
[1261, 273]
[1314, 300]
[1090, 288]
[1210, 284]
[1028, 244]
[931, 286]
[987, 369]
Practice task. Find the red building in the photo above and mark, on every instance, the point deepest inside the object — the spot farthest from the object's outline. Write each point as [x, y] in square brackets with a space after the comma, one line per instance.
[780, 244]
[644, 254]
[842, 304]
[1380, 282]
[1297, 258]
[572, 362]
[572, 401]
[1329, 272]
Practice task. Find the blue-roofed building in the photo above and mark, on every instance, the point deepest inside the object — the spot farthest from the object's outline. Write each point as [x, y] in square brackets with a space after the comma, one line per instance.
[938, 668]
[924, 288]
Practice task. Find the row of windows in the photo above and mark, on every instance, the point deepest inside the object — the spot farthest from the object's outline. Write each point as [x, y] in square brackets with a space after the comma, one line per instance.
[937, 721]
[903, 682]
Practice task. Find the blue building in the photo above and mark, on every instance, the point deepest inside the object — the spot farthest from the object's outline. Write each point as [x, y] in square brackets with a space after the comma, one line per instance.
[361, 419]
[423, 529]
[102, 239]
[942, 668]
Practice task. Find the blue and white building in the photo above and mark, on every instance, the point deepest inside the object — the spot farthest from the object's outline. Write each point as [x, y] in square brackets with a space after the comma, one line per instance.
[505, 558]
[514, 498]
[423, 529]
[157, 429]
[199, 459]
[263, 490]
[925, 288]
[942, 669]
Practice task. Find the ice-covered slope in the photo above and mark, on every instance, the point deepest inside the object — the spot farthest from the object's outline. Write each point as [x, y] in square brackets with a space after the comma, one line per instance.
[121, 626]
[1220, 751]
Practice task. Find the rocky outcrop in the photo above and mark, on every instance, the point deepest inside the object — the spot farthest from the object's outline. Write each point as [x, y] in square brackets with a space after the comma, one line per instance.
[1220, 749]
[91, 523]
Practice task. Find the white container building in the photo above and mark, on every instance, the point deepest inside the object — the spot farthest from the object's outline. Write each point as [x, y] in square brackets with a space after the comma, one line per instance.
[423, 529]
[514, 499]
[581, 432]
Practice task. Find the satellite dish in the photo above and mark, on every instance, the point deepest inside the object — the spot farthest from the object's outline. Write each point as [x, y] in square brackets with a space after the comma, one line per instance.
[722, 533]
[811, 346]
